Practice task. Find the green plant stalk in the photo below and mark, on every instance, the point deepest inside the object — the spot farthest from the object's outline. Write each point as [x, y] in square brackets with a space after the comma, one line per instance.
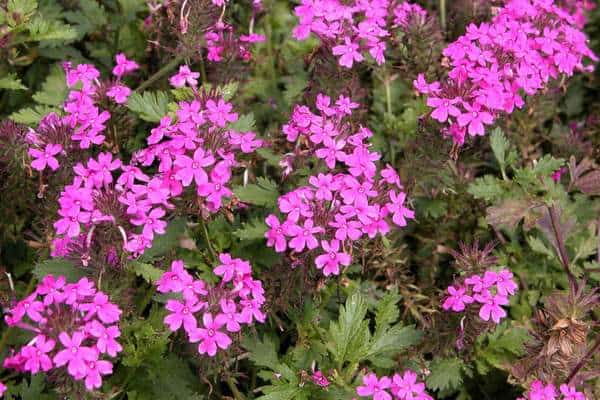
[234, 390]
[160, 73]
[212, 251]
[443, 14]
[562, 250]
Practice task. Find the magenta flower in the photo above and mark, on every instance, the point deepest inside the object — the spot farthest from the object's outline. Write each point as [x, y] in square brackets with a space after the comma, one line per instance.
[505, 283]
[182, 314]
[102, 308]
[94, 371]
[303, 236]
[174, 280]
[348, 52]
[36, 355]
[571, 393]
[345, 228]
[46, 157]
[193, 168]
[331, 152]
[443, 108]
[106, 336]
[406, 387]
[457, 300]
[539, 391]
[119, 93]
[331, 260]
[233, 318]
[320, 379]
[210, 337]
[185, 75]
[400, 213]
[74, 354]
[124, 66]
[491, 307]
[475, 119]
[275, 235]
[101, 169]
[219, 113]
[372, 386]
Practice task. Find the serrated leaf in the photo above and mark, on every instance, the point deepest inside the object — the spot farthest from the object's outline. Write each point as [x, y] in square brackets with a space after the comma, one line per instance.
[508, 213]
[244, 123]
[388, 342]
[149, 272]
[538, 246]
[281, 392]
[54, 89]
[546, 165]
[387, 311]
[150, 106]
[446, 374]
[43, 30]
[252, 230]
[349, 335]
[32, 116]
[262, 352]
[487, 188]
[262, 193]
[229, 90]
[11, 82]
[499, 145]
[58, 267]
[89, 18]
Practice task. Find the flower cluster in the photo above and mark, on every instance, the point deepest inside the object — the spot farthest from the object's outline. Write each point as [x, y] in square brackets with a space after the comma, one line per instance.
[75, 326]
[494, 64]
[84, 122]
[223, 308]
[400, 387]
[539, 391]
[194, 145]
[490, 291]
[355, 28]
[352, 199]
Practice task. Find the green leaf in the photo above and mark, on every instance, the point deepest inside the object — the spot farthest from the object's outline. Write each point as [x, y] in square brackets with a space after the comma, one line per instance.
[500, 146]
[149, 272]
[446, 374]
[22, 7]
[547, 165]
[150, 106]
[11, 82]
[262, 193]
[167, 242]
[58, 267]
[244, 123]
[281, 392]
[229, 90]
[252, 230]
[262, 352]
[31, 116]
[89, 18]
[43, 30]
[387, 311]
[349, 336]
[54, 89]
[487, 188]
[389, 342]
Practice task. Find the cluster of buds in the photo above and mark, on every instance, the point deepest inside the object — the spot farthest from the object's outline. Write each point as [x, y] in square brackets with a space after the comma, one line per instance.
[528, 43]
[355, 28]
[352, 199]
[398, 387]
[489, 292]
[75, 326]
[210, 314]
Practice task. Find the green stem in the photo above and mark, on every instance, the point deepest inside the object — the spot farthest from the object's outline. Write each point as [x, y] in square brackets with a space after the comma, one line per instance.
[160, 73]
[212, 251]
[234, 390]
[443, 14]
[388, 94]
[203, 70]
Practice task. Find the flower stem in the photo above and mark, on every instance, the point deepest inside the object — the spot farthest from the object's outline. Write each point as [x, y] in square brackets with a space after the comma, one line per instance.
[443, 14]
[160, 73]
[212, 251]
[582, 362]
[234, 390]
[562, 250]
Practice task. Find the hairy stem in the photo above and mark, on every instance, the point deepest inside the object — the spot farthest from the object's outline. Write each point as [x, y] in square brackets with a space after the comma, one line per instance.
[562, 250]
[582, 362]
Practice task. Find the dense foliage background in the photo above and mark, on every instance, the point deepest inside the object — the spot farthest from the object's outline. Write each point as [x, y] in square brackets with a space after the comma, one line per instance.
[494, 202]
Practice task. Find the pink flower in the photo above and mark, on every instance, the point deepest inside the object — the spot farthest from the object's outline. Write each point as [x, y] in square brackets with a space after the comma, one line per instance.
[571, 393]
[475, 119]
[2, 389]
[491, 307]
[331, 152]
[174, 280]
[233, 318]
[331, 260]
[46, 157]
[74, 354]
[94, 371]
[124, 66]
[36, 355]
[101, 169]
[406, 387]
[185, 75]
[275, 235]
[102, 308]
[505, 283]
[303, 236]
[106, 336]
[320, 379]
[219, 113]
[348, 53]
[182, 314]
[400, 213]
[372, 386]
[539, 391]
[443, 108]
[210, 337]
[193, 168]
[119, 93]
[457, 300]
